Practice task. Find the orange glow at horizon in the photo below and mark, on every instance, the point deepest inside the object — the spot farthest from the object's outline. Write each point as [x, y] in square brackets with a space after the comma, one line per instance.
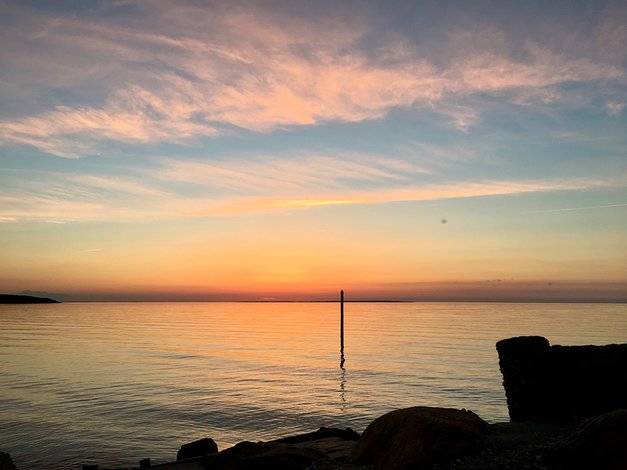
[387, 250]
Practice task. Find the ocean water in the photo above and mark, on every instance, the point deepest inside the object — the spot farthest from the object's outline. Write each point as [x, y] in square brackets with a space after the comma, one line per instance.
[112, 383]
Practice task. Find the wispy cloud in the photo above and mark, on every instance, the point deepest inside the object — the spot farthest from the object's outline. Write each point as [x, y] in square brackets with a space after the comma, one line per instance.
[57, 197]
[614, 109]
[452, 190]
[429, 192]
[257, 69]
[87, 198]
[177, 187]
[91, 250]
[309, 173]
[132, 115]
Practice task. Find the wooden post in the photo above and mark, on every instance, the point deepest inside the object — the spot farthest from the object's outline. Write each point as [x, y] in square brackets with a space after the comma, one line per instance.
[342, 323]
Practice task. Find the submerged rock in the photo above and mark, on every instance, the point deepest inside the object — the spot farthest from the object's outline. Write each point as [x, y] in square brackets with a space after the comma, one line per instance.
[197, 448]
[599, 443]
[418, 437]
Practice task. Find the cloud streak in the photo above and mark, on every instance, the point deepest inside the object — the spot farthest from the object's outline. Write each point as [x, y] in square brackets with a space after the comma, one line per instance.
[306, 173]
[71, 197]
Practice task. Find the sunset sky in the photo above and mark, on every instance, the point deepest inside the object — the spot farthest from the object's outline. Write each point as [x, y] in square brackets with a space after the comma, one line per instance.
[286, 149]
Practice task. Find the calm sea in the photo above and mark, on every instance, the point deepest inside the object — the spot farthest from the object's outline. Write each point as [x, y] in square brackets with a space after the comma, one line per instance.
[113, 383]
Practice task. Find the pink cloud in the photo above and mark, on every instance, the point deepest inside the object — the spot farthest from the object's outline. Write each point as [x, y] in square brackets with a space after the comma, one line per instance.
[614, 109]
[259, 70]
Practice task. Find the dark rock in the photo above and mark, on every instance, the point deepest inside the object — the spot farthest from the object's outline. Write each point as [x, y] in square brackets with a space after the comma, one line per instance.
[144, 463]
[6, 463]
[265, 456]
[523, 363]
[418, 437]
[512, 446]
[345, 434]
[544, 382]
[589, 380]
[599, 443]
[197, 448]
[336, 444]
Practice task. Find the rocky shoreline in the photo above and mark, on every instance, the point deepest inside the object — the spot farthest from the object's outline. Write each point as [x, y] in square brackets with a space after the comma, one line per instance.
[450, 439]
[423, 438]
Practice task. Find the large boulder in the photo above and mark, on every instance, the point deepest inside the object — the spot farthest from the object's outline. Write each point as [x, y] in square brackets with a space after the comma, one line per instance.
[265, 456]
[599, 443]
[197, 448]
[6, 463]
[418, 437]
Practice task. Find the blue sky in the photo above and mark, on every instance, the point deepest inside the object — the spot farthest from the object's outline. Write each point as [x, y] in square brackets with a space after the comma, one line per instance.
[159, 121]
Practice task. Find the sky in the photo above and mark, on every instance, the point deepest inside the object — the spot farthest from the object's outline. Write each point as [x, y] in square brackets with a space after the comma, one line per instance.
[247, 150]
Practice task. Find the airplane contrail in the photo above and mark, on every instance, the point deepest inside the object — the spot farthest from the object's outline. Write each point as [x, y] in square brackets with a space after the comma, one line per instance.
[567, 209]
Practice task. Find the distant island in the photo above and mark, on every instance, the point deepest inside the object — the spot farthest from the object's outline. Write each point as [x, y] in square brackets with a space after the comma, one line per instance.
[25, 299]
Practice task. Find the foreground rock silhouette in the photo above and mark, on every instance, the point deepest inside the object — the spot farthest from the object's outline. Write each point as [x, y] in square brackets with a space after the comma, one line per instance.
[265, 456]
[599, 443]
[197, 448]
[324, 448]
[544, 382]
[418, 437]
[6, 463]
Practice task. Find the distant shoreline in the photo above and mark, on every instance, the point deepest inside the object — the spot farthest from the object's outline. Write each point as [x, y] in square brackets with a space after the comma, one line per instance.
[25, 299]
[453, 301]
[28, 297]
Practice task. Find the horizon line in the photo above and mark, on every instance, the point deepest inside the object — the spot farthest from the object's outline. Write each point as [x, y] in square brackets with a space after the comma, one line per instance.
[429, 300]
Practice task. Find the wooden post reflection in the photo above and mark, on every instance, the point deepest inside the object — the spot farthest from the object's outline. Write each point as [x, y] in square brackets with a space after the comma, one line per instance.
[342, 329]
